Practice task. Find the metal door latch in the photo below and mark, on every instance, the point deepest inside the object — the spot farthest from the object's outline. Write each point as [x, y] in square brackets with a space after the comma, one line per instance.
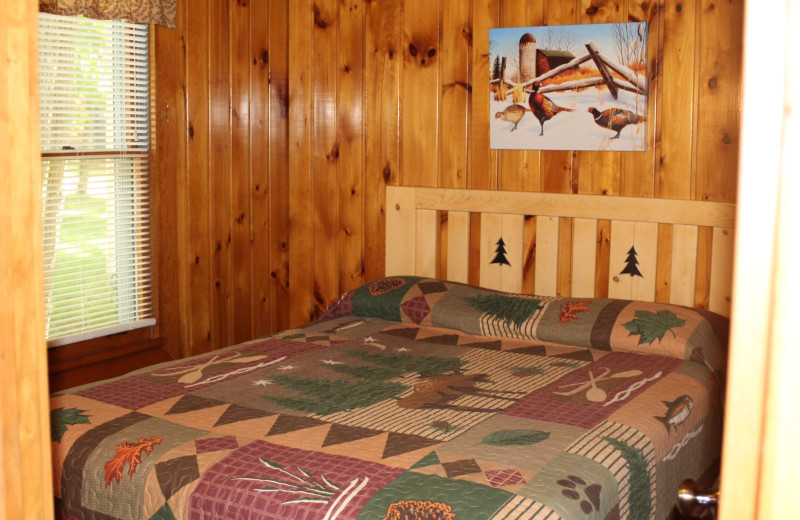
[692, 503]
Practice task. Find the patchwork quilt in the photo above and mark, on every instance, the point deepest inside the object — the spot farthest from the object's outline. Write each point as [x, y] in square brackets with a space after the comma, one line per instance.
[410, 398]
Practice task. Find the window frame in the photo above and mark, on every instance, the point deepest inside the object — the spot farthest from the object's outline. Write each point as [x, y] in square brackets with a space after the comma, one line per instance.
[141, 331]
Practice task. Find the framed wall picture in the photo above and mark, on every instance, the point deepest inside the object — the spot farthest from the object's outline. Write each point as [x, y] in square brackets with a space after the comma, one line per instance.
[569, 87]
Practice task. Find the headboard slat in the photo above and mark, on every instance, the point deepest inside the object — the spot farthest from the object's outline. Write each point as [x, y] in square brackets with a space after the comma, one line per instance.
[683, 272]
[458, 246]
[427, 242]
[401, 228]
[546, 274]
[721, 271]
[584, 256]
[501, 262]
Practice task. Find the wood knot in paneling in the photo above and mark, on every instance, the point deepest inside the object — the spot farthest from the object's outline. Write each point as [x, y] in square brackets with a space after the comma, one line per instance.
[319, 19]
[422, 51]
[334, 155]
[726, 138]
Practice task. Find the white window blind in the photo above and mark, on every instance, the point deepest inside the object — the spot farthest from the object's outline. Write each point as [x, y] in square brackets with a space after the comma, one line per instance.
[95, 107]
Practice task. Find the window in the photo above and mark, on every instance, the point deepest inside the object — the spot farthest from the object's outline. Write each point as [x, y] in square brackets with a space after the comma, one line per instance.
[95, 142]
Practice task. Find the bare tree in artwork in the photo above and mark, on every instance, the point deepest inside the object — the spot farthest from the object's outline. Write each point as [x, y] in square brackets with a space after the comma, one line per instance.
[629, 44]
[500, 257]
[630, 264]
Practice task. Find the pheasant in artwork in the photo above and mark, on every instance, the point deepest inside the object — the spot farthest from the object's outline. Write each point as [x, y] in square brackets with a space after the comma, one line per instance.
[543, 107]
[615, 119]
[512, 114]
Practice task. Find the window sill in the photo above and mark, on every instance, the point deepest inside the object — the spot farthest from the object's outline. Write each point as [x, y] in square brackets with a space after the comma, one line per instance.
[102, 358]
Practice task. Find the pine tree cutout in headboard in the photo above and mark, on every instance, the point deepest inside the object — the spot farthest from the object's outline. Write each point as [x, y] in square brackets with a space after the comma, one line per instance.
[500, 257]
[630, 264]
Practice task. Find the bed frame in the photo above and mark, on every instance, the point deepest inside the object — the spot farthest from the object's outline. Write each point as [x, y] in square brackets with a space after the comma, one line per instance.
[672, 251]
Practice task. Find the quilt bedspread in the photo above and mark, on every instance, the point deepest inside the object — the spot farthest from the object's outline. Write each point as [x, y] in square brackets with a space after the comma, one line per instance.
[410, 398]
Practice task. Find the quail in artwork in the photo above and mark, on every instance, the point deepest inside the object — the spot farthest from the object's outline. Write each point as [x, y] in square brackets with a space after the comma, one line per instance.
[543, 107]
[615, 119]
[512, 114]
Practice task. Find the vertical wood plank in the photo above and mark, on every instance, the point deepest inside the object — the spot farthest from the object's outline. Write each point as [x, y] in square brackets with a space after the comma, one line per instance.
[493, 274]
[564, 272]
[513, 234]
[646, 242]
[684, 251]
[198, 186]
[722, 250]
[427, 239]
[529, 255]
[382, 85]
[301, 120]
[25, 471]
[482, 162]
[719, 99]
[350, 93]
[633, 275]
[259, 167]
[241, 173]
[664, 263]
[441, 249]
[622, 238]
[420, 107]
[325, 155]
[219, 161]
[547, 240]
[702, 284]
[455, 53]
[603, 258]
[182, 188]
[279, 164]
[166, 169]
[584, 257]
[400, 230]
[679, 102]
[475, 246]
[458, 246]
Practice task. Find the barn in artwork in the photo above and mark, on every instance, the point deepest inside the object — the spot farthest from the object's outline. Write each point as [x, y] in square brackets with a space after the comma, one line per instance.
[547, 59]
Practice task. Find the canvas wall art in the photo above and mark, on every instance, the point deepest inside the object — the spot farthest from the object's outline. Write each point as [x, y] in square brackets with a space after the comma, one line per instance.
[569, 87]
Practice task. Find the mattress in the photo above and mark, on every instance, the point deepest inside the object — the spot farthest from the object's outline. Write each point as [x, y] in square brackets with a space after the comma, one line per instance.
[410, 398]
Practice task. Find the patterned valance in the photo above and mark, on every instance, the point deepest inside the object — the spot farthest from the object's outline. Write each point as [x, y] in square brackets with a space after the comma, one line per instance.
[160, 12]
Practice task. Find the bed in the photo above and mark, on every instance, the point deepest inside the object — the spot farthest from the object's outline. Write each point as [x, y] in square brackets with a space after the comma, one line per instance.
[416, 397]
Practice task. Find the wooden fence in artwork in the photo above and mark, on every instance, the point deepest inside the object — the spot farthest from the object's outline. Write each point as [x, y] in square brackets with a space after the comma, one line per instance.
[631, 81]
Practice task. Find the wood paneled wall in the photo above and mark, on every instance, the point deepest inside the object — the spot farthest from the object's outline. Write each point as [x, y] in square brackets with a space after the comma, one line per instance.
[280, 122]
[221, 172]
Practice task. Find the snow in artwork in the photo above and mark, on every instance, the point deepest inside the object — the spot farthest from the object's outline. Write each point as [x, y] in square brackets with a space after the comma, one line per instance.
[575, 87]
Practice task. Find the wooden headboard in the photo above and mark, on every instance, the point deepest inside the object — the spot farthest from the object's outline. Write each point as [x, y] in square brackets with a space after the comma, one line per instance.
[673, 251]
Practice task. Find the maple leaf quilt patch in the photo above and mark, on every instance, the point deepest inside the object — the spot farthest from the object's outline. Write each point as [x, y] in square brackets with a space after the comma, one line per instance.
[651, 326]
